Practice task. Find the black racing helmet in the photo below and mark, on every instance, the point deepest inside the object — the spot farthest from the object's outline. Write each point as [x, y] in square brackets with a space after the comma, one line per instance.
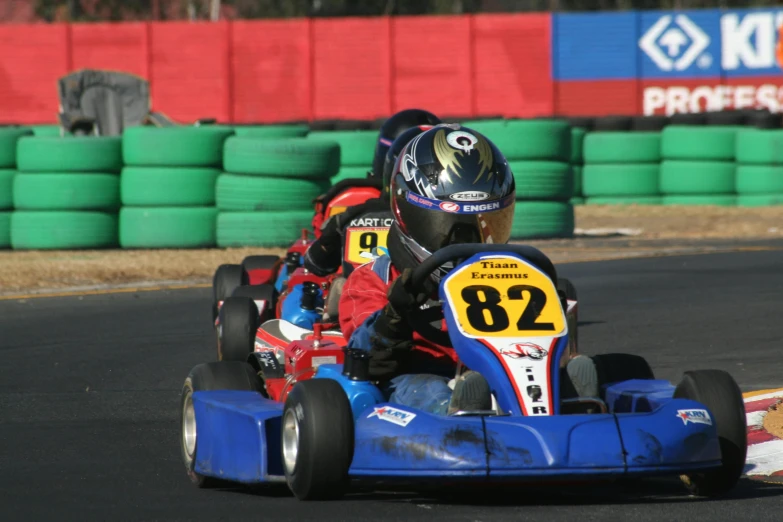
[394, 151]
[450, 185]
[391, 130]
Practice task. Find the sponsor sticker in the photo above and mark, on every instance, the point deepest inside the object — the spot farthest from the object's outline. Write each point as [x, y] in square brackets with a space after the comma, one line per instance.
[695, 416]
[393, 415]
[469, 196]
[524, 351]
[324, 359]
[449, 207]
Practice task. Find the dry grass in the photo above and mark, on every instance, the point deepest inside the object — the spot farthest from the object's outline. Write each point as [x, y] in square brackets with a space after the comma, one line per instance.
[38, 270]
[773, 421]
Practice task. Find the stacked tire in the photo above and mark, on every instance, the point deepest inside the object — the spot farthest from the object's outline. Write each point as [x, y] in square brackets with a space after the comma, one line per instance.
[577, 163]
[8, 140]
[265, 197]
[168, 186]
[539, 154]
[357, 149]
[759, 157]
[272, 131]
[621, 168]
[698, 165]
[67, 192]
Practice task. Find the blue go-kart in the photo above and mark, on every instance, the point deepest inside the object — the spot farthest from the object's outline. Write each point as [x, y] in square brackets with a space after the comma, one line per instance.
[506, 321]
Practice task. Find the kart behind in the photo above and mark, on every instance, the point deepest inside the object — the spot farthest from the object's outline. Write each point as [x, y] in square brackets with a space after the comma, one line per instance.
[329, 424]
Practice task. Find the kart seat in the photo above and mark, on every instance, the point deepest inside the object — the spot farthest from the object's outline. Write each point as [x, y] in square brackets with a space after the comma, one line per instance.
[287, 332]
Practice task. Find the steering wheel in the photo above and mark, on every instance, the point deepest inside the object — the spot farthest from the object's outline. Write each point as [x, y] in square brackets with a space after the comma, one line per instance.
[420, 283]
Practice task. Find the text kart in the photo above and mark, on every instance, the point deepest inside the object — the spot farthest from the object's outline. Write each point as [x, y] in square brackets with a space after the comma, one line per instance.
[505, 321]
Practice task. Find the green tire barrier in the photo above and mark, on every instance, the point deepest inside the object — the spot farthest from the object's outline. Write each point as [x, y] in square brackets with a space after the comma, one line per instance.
[291, 157]
[46, 130]
[162, 227]
[351, 173]
[577, 170]
[62, 230]
[697, 177]
[685, 142]
[726, 200]
[543, 180]
[357, 148]
[533, 140]
[144, 146]
[8, 142]
[72, 154]
[625, 200]
[542, 219]
[256, 193]
[577, 145]
[620, 180]
[757, 200]
[622, 147]
[6, 188]
[757, 147]
[759, 179]
[5, 229]
[66, 191]
[272, 131]
[261, 229]
[168, 186]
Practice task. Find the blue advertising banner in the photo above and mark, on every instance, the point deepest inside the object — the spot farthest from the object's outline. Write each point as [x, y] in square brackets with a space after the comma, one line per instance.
[707, 43]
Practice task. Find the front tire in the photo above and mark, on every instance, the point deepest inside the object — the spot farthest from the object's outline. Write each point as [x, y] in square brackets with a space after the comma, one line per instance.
[317, 440]
[719, 392]
[239, 323]
[209, 377]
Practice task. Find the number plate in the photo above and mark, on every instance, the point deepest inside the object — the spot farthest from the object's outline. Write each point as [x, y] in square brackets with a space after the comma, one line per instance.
[504, 297]
[362, 240]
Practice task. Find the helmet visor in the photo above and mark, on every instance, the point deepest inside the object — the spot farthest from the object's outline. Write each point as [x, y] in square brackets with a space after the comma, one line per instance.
[434, 224]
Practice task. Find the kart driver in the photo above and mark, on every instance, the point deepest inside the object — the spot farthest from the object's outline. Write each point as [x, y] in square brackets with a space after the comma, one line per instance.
[435, 170]
[324, 255]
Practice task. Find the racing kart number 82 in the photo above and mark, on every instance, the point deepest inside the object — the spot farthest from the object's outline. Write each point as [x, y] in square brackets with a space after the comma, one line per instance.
[500, 297]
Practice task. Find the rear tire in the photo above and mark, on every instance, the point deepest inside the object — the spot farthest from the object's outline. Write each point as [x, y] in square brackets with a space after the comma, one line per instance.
[226, 279]
[265, 293]
[317, 440]
[239, 323]
[619, 367]
[567, 290]
[719, 392]
[209, 377]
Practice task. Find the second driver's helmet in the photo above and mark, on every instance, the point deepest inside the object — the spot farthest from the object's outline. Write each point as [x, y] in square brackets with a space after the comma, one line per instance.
[394, 152]
[449, 185]
[393, 128]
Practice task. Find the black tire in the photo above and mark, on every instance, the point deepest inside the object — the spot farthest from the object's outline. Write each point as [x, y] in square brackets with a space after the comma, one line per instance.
[318, 470]
[654, 123]
[733, 118]
[612, 123]
[764, 120]
[226, 279]
[583, 122]
[619, 367]
[352, 125]
[239, 323]
[718, 391]
[259, 262]
[322, 125]
[688, 118]
[208, 377]
[265, 292]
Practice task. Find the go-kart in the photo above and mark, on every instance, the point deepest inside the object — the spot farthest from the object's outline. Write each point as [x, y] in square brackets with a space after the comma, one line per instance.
[506, 321]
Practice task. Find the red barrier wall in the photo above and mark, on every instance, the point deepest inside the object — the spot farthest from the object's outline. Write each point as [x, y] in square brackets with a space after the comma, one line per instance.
[303, 69]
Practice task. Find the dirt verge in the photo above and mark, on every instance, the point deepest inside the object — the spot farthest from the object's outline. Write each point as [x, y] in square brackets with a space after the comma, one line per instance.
[660, 231]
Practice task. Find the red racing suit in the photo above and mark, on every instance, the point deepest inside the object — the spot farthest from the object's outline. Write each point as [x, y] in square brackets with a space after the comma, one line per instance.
[363, 298]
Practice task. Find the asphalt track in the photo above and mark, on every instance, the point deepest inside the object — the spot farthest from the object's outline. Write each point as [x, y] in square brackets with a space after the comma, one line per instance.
[89, 391]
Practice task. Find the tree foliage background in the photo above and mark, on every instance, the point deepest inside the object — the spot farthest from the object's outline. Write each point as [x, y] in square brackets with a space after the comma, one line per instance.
[116, 10]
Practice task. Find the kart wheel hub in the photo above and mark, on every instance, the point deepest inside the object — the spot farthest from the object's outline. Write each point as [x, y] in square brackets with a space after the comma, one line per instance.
[290, 441]
[189, 426]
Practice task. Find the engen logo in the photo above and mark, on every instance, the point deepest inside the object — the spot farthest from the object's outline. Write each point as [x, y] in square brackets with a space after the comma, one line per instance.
[674, 43]
[674, 99]
[751, 41]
